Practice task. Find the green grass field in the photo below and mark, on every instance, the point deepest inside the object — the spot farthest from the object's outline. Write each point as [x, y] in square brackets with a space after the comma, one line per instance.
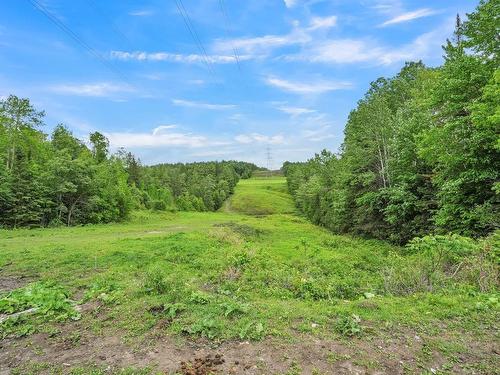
[253, 272]
[260, 196]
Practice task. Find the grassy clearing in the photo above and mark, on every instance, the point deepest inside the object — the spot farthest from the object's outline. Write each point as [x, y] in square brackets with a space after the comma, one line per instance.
[260, 196]
[223, 276]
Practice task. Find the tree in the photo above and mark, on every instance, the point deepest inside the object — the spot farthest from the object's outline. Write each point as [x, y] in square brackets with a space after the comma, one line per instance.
[19, 118]
[100, 145]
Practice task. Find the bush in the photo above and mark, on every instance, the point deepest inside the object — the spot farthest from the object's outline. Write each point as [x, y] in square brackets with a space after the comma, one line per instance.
[434, 262]
[158, 205]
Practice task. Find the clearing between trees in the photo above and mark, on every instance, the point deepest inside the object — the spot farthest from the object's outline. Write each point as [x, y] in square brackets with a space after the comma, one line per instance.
[251, 289]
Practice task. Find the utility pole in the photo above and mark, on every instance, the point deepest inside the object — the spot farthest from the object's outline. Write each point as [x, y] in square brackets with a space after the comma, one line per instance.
[269, 160]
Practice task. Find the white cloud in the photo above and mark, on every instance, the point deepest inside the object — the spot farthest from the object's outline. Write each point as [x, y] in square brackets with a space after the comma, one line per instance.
[189, 103]
[295, 111]
[215, 153]
[340, 51]
[100, 89]
[174, 57]
[158, 138]
[290, 3]
[306, 88]
[348, 51]
[141, 13]
[162, 128]
[319, 134]
[320, 49]
[409, 16]
[420, 48]
[259, 138]
[258, 45]
[388, 7]
[237, 117]
[322, 22]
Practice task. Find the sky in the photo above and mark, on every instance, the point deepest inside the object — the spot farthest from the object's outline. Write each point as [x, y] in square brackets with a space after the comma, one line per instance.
[193, 80]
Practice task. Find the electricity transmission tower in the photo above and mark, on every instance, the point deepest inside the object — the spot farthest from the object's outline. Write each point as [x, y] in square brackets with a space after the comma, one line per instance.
[269, 159]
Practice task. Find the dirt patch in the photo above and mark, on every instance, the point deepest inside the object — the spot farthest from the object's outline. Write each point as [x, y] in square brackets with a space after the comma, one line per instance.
[388, 352]
[202, 366]
[9, 283]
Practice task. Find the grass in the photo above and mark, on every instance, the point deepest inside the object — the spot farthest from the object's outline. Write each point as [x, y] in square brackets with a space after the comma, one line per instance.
[228, 275]
[260, 196]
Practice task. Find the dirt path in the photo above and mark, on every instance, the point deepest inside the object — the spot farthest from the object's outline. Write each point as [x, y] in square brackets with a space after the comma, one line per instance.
[397, 351]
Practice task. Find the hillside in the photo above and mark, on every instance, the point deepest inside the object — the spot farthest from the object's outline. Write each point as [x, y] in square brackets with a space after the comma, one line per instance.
[250, 289]
[260, 196]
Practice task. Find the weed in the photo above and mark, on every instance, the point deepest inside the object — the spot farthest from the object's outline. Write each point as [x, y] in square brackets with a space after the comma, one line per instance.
[252, 330]
[349, 325]
[154, 280]
[231, 308]
[46, 300]
[200, 298]
[173, 309]
[207, 327]
[106, 292]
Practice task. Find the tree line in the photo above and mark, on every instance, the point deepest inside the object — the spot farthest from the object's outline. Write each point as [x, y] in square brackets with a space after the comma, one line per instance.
[421, 149]
[60, 180]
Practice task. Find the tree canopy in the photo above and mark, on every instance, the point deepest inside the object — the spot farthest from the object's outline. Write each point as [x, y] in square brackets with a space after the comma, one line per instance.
[421, 149]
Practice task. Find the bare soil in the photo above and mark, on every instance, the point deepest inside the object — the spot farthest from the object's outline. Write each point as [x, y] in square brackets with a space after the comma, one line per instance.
[384, 353]
[8, 283]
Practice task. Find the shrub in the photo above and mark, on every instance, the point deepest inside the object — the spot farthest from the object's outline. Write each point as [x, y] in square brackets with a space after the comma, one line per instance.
[434, 262]
[155, 281]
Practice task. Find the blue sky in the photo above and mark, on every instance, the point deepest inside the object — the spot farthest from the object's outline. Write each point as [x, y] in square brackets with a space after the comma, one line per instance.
[245, 76]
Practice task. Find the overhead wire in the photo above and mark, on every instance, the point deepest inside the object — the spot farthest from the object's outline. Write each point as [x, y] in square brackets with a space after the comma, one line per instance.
[187, 20]
[227, 23]
[116, 29]
[76, 38]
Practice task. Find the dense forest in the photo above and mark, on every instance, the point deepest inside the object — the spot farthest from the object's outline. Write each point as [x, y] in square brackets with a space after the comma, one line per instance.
[421, 149]
[47, 181]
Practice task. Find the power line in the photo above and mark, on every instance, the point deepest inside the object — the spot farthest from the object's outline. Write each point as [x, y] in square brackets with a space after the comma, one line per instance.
[194, 34]
[76, 38]
[112, 24]
[227, 24]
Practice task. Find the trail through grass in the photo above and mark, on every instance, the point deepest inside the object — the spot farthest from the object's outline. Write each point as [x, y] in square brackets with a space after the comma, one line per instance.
[260, 196]
[251, 271]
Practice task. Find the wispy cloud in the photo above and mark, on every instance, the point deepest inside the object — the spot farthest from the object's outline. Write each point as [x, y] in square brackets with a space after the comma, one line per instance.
[320, 134]
[163, 128]
[295, 111]
[306, 87]
[99, 89]
[339, 51]
[409, 16]
[351, 51]
[160, 136]
[314, 47]
[174, 57]
[237, 117]
[201, 105]
[261, 45]
[322, 22]
[290, 3]
[259, 138]
[141, 13]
